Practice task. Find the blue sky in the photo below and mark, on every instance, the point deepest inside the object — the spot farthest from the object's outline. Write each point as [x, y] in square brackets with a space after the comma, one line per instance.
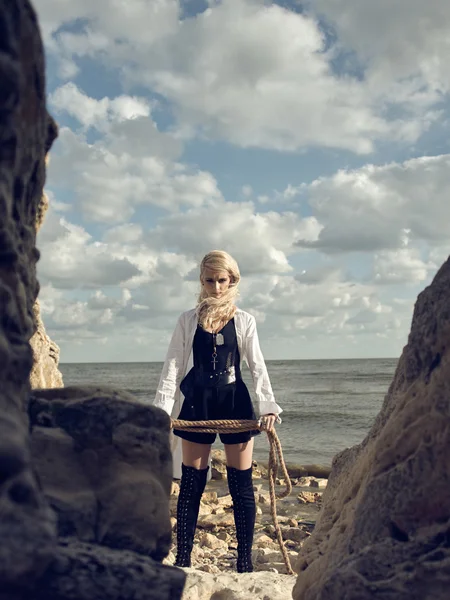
[310, 141]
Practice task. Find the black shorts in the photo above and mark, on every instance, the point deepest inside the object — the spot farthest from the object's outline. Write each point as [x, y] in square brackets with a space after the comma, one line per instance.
[228, 402]
[209, 438]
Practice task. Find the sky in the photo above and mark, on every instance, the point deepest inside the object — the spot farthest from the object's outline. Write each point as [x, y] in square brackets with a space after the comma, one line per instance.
[309, 140]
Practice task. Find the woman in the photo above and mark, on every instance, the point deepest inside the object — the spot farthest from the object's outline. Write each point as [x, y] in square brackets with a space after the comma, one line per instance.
[203, 362]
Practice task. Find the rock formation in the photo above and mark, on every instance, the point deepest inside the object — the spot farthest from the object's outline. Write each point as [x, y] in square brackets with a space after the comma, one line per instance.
[104, 463]
[384, 530]
[213, 575]
[111, 542]
[215, 541]
[231, 586]
[45, 372]
[27, 525]
[103, 459]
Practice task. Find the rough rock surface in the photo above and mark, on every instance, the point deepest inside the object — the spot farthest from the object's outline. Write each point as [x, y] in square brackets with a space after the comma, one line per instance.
[231, 586]
[215, 541]
[27, 530]
[82, 571]
[105, 466]
[45, 372]
[33, 564]
[384, 530]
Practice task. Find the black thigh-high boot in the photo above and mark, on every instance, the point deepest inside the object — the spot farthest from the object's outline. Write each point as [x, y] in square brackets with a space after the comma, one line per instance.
[192, 485]
[240, 484]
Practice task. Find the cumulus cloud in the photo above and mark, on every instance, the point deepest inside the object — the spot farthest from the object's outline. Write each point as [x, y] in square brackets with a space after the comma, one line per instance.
[322, 298]
[414, 39]
[326, 265]
[261, 241]
[72, 259]
[403, 266]
[132, 163]
[371, 208]
[108, 21]
[97, 113]
[109, 181]
[253, 73]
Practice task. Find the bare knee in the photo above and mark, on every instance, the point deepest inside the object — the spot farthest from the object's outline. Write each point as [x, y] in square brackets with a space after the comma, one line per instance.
[195, 455]
[239, 456]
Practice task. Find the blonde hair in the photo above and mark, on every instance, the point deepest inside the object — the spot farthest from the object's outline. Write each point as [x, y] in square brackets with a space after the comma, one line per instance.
[214, 312]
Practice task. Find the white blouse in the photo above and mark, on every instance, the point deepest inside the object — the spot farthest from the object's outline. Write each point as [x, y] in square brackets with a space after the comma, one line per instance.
[179, 361]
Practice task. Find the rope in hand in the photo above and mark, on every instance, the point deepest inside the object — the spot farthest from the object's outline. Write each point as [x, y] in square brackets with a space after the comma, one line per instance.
[276, 460]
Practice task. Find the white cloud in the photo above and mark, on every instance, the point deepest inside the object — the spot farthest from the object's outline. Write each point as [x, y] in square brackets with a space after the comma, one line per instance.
[145, 21]
[404, 41]
[371, 208]
[253, 73]
[124, 234]
[97, 113]
[256, 74]
[261, 241]
[72, 259]
[403, 266]
[131, 164]
[110, 178]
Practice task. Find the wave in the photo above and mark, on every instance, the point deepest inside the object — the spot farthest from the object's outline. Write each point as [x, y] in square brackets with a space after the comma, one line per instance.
[353, 420]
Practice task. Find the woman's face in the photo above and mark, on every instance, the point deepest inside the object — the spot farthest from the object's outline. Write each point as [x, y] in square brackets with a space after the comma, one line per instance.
[215, 283]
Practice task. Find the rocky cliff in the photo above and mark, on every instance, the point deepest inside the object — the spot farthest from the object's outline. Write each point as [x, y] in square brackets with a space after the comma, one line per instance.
[45, 372]
[384, 530]
[27, 525]
[97, 525]
[110, 541]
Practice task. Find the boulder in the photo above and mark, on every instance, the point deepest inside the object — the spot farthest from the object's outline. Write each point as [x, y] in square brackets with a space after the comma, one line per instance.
[234, 586]
[105, 466]
[308, 497]
[106, 489]
[82, 571]
[27, 525]
[45, 372]
[216, 521]
[213, 543]
[218, 465]
[384, 527]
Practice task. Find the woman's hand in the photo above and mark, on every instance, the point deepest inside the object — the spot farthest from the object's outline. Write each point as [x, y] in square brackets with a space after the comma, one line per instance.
[268, 421]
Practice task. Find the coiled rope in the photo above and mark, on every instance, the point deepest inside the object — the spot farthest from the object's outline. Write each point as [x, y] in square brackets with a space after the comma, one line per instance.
[276, 462]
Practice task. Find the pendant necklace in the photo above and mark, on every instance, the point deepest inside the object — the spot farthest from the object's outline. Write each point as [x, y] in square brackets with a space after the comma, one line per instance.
[218, 340]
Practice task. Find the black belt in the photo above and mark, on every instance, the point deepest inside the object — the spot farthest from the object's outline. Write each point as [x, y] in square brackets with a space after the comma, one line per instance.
[215, 378]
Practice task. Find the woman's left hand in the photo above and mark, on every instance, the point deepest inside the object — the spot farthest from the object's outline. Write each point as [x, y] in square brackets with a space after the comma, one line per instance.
[268, 422]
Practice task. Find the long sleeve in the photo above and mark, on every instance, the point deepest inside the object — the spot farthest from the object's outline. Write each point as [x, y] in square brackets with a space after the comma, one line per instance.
[172, 372]
[258, 369]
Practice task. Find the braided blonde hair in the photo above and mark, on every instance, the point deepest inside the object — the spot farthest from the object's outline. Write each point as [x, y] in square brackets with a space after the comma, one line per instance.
[214, 313]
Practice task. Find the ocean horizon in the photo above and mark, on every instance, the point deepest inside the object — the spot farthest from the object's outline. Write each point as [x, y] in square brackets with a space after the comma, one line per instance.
[328, 404]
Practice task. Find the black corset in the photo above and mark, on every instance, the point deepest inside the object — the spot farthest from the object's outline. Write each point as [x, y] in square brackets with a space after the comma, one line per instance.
[227, 353]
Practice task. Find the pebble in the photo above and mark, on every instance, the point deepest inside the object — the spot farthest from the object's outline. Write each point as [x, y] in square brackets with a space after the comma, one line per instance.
[215, 546]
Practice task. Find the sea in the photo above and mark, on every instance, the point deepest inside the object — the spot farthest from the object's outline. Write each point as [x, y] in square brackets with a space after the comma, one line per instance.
[328, 405]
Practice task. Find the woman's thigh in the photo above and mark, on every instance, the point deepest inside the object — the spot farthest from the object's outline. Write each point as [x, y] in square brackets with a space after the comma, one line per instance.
[239, 456]
[195, 455]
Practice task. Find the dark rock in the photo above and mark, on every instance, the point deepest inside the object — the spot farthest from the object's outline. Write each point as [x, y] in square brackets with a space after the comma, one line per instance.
[27, 526]
[82, 571]
[384, 529]
[118, 449]
[105, 465]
